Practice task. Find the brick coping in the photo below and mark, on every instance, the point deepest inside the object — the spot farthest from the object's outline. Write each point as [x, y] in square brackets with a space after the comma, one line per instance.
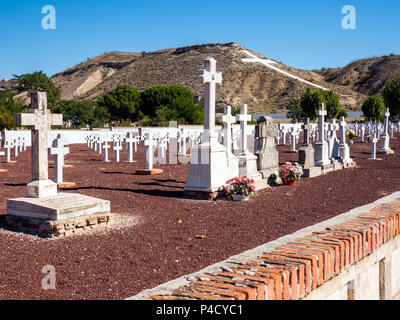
[290, 267]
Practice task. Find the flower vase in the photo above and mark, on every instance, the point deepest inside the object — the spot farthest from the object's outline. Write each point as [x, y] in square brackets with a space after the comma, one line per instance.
[351, 141]
[239, 197]
[291, 182]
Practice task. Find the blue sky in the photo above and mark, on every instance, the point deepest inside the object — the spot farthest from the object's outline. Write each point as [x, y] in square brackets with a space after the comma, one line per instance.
[304, 33]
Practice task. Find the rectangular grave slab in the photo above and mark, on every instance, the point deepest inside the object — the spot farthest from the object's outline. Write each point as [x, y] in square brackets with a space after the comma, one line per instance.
[58, 207]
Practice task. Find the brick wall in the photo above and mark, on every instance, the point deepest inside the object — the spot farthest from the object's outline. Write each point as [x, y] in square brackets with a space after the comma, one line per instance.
[353, 256]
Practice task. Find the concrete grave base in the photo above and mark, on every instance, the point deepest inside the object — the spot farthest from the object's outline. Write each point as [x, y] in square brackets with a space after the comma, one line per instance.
[327, 168]
[57, 228]
[312, 172]
[347, 165]
[271, 175]
[200, 195]
[390, 151]
[337, 165]
[58, 207]
[148, 172]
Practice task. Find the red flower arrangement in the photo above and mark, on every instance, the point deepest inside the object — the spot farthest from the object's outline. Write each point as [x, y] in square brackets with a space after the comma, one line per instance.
[239, 186]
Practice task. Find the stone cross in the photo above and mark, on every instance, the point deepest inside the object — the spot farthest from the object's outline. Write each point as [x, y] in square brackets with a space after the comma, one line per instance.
[306, 131]
[149, 143]
[227, 120]
[374, 140]
[321, 113]
[243, 117]
[385, 148]
[129, 140]
[162, 147]
[105, 146]
[39, 120]
[117, 147]
[8, 146]
[16, 147]
[210, 78]
[59, 151]
[293, 139]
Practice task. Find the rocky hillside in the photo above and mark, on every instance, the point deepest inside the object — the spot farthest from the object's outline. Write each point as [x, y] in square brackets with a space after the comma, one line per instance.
[262, 88]
[366, 76]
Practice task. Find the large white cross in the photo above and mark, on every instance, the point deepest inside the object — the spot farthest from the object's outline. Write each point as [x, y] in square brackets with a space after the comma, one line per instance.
[39, 120]
[210, 77]
[268, 63]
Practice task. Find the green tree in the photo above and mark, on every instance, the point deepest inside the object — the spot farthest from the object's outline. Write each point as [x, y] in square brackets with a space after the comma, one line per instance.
[122, 103]
[8, 106]
[81, 113]
[295, 111]
[391, 95]
[310, 102]
[332, 104]
[373, 108]
[38, 81]
[312, 98]
[161, 104]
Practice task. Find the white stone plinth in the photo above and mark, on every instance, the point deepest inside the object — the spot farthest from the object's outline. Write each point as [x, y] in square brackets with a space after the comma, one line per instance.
[41, 188]
[58, 207]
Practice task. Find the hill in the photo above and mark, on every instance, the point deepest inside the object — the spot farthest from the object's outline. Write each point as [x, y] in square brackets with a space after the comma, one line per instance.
[366, 76]
[263, 88]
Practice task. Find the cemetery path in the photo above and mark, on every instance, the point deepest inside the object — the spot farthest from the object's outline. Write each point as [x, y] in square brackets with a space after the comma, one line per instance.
[162, 236]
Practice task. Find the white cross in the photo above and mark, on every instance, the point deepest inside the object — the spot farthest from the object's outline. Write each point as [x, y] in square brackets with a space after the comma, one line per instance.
[117, 147]
[106, 146]
[129, 140]
[210, 77]
[149, 143]
[243, 117]
[228, 119]
[268, 63]
[59, 151]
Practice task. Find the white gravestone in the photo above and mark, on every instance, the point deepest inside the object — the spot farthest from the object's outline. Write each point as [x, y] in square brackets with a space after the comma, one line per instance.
[321, 146]
[247, 160]
[40, 120]
[385, 149]
[228, 120]
[208, 170]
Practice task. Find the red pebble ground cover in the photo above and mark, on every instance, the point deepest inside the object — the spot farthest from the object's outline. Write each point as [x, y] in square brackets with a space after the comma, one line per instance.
[173, 236]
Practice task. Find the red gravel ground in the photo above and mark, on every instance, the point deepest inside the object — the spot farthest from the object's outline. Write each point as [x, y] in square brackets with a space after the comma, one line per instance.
[162, 246]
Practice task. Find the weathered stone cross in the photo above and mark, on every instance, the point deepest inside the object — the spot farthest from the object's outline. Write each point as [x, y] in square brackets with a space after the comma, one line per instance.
[39, 120]
[306, 131]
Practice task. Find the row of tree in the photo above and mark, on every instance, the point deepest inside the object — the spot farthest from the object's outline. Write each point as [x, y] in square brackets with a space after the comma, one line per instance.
[374, 106]
[158, 105]
[307, 105]
[124, 105]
